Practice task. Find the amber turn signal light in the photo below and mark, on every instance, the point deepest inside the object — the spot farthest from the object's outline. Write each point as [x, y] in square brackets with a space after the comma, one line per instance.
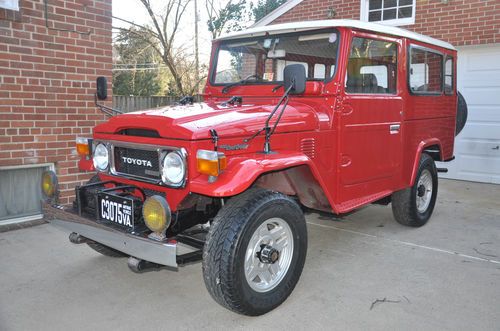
[83, 146]
[210, 163]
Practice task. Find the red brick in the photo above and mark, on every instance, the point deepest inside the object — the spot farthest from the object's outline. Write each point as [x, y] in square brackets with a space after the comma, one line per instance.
[47, 80]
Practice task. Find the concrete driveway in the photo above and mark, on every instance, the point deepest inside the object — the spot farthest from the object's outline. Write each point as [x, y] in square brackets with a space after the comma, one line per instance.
[443, 276]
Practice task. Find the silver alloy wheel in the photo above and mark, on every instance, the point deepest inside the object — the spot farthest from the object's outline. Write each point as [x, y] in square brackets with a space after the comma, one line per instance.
[260, 276]
[424, 191]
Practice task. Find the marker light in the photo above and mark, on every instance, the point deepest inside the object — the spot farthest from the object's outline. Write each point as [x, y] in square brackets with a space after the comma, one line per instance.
[210, 162]
[83, 146]
[49, 184]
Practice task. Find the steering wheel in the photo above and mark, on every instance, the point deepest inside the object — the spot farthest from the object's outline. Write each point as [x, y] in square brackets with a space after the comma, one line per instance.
[257, 77]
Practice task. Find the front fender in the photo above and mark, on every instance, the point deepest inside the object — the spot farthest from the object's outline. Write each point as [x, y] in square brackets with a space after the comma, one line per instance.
[242, 171]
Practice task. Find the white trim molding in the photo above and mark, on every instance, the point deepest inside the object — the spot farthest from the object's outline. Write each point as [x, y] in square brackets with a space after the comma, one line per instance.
[278, 12]
[10, 4]
[365, 10]
[323, 24]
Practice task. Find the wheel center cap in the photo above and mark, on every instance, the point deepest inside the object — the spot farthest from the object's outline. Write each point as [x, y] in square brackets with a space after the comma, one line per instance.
[268, 254]
[421, 190]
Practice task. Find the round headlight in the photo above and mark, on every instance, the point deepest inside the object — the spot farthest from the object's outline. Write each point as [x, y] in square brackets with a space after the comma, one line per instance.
[156, 213]
[174, 170]
[101, 157]
[49, 184]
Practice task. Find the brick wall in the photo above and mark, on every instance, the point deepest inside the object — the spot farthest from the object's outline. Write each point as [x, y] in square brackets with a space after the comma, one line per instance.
[460, 22]
[47, 81]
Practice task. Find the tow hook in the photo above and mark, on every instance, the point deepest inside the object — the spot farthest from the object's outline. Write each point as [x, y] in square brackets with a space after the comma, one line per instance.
[75, 238]
[139, 266]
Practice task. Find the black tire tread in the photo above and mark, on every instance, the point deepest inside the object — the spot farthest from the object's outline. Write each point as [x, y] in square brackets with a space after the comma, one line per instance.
[402, 203]
[462, 113]
[221, 243]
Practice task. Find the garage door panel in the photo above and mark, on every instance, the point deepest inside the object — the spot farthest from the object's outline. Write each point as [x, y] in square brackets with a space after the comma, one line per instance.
[477, 156]
[477, 147]
[483, 113]
[482, 61]
[481, 95]
[485, 131]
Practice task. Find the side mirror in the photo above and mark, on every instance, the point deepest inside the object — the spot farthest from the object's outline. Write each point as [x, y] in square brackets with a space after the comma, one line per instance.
[295, 77]
[102, 88]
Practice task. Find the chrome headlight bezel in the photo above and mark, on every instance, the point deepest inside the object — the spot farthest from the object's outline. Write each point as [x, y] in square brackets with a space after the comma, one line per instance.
[181, 179]
[100, 147]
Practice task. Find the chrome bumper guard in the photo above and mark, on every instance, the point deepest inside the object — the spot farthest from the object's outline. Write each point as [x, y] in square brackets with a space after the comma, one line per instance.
[164, 253]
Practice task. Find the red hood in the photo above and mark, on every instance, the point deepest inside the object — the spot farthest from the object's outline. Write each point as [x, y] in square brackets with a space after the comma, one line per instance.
[193, 122]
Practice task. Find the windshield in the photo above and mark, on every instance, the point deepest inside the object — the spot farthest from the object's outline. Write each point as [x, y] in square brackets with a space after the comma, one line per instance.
[263, 59]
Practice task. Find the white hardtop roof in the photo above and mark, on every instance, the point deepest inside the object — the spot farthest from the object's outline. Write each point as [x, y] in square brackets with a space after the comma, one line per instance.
[314, 25]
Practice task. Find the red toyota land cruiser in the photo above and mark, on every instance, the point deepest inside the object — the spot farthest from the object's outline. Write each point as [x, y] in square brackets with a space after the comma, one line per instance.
[325, 115]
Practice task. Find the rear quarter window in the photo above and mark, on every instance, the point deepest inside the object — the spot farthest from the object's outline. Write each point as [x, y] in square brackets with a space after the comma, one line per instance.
[425, 71]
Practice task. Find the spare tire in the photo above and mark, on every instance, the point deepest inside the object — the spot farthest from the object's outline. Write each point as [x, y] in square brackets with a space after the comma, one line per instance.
[461, 113]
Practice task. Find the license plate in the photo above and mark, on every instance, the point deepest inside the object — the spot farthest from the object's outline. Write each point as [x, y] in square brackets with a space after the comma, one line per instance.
[115, 209]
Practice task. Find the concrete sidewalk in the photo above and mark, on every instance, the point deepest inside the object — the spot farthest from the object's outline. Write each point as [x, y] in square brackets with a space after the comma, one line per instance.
[443, 276]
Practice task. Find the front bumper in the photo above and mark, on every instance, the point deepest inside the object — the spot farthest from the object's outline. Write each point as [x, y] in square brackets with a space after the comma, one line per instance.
[164, 253]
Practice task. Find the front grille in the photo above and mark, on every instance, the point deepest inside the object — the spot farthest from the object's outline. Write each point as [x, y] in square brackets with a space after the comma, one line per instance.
[140, 133]
[137, 162]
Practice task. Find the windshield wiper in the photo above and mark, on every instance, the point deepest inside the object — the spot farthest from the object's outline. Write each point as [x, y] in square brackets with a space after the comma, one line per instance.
[267, 129]
[241, 82]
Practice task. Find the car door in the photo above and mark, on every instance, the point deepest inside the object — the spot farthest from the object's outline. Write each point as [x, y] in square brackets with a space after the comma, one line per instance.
[371, 125]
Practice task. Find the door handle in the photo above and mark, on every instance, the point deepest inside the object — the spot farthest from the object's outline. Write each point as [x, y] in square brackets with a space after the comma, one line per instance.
[394, 128]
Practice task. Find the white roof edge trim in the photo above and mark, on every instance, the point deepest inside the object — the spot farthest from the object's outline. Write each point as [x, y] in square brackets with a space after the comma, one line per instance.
[314, 25]
[269, 18]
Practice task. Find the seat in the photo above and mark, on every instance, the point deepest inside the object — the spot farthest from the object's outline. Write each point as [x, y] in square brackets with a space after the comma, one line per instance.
[363, 83]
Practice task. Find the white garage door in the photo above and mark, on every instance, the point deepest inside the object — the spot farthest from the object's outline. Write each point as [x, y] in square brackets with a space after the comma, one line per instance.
[477, 147]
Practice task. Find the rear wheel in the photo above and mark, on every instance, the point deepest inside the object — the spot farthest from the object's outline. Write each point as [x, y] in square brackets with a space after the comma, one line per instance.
[255, 252]
[414, 206]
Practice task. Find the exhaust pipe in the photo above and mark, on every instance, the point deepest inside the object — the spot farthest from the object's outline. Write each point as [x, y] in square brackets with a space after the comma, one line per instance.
[75, 238]
[139, 266]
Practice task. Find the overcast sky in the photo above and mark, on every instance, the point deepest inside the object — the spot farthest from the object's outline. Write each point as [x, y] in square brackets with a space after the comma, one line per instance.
[133, 10]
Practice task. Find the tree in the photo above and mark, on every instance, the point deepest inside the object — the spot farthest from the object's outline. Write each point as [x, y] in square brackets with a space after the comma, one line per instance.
[161, 35]
[264, 7]
[224, 18]
[137, 69]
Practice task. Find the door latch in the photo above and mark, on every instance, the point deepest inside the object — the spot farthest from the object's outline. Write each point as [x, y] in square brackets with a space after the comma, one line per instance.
[394, 128]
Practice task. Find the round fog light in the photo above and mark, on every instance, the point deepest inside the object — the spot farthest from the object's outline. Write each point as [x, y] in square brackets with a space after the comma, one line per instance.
[156, 213]
[49, 184]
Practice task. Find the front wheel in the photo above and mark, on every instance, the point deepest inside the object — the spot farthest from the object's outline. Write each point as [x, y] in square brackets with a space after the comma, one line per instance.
[414, 206]
[255, 252]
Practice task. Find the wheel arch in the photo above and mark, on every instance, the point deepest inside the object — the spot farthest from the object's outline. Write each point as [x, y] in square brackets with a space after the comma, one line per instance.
[298, 181]
[430, 146]
[289, 173]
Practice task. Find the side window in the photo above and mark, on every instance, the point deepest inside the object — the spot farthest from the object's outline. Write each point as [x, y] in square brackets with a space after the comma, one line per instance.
[282, 64]
[319, 71]
[372, 67]
[380, 72]
[425, 71]
[448, 75]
